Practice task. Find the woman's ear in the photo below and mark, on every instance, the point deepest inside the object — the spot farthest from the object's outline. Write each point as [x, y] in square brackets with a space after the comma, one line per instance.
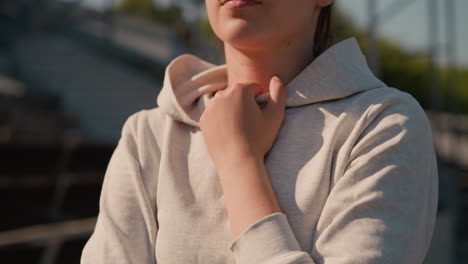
[324, 3]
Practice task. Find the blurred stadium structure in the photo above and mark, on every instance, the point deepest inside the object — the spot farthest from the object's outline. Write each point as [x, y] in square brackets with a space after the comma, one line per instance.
[70, 76]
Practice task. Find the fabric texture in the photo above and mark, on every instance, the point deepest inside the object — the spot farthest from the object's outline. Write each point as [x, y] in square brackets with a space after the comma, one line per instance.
[353, 168]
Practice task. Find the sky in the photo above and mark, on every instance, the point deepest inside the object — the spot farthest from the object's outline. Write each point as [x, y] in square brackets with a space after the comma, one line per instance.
[408, 27]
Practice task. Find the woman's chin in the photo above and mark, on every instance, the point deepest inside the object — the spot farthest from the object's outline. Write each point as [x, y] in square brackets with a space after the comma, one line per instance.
[243, 36]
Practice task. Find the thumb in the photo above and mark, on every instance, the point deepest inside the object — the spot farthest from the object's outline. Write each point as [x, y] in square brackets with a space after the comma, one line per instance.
[277, 91]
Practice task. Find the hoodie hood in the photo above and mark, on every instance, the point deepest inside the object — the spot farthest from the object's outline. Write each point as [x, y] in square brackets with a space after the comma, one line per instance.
[340, 71]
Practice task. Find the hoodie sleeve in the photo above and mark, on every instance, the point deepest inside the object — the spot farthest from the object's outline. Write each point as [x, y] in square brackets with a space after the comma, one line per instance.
[126, 228]
[381, 210]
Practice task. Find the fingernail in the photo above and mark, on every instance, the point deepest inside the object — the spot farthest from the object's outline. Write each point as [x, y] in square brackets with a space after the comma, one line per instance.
[277, 79]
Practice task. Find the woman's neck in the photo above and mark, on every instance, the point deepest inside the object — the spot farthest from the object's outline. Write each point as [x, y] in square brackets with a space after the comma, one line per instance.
[285, 60]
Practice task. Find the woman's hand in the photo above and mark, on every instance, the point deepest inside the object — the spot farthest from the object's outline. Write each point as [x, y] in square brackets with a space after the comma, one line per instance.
[234, 126]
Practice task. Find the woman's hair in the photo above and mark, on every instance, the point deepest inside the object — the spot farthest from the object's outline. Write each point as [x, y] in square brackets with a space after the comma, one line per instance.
[323, 35]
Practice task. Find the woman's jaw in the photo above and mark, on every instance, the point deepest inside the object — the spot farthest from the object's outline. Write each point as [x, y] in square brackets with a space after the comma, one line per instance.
[267, 39]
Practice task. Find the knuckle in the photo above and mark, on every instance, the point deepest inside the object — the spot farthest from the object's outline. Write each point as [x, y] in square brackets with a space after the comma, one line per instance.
[237, 87]
[244, 88]
[219, 93]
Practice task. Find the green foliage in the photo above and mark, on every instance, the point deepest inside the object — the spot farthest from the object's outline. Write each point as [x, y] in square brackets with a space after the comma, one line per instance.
[207, 31]
[409, 72]
[343, 27]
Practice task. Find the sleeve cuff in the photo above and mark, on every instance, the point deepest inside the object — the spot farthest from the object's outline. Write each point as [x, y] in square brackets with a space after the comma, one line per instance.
[269, 238]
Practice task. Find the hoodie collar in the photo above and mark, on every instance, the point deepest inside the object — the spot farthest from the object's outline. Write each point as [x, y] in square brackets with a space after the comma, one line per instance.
[340, 71]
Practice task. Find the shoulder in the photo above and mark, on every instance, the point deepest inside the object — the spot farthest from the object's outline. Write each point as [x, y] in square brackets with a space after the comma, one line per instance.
[381, 105]
[144, 126]
[393, 121]
[394, 106]
[383, 108]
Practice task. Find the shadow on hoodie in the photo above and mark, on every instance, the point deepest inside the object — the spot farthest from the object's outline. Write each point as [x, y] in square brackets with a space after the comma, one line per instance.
[353, 169]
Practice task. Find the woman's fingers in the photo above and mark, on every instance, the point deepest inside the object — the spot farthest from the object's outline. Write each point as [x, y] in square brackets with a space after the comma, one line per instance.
[277, 91]
[217, 94]
[277, 100]
[271, 100]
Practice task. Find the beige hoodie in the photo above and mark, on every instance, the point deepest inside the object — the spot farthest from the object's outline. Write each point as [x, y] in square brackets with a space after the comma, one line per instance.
[353, 168]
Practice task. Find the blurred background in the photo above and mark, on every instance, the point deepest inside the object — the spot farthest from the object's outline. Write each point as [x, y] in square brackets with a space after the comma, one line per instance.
[72, 71]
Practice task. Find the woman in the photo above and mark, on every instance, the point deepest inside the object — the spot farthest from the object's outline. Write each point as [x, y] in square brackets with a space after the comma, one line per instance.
[288, 153]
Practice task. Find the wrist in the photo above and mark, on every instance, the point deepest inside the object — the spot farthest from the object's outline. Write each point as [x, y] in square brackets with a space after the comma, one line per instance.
[247, 191]
[238, 159]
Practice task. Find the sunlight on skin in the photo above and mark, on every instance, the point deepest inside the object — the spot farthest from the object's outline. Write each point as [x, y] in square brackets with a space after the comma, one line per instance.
[273, 38]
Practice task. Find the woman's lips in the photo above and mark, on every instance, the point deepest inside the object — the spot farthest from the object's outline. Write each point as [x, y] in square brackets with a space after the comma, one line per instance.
[239, 3]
